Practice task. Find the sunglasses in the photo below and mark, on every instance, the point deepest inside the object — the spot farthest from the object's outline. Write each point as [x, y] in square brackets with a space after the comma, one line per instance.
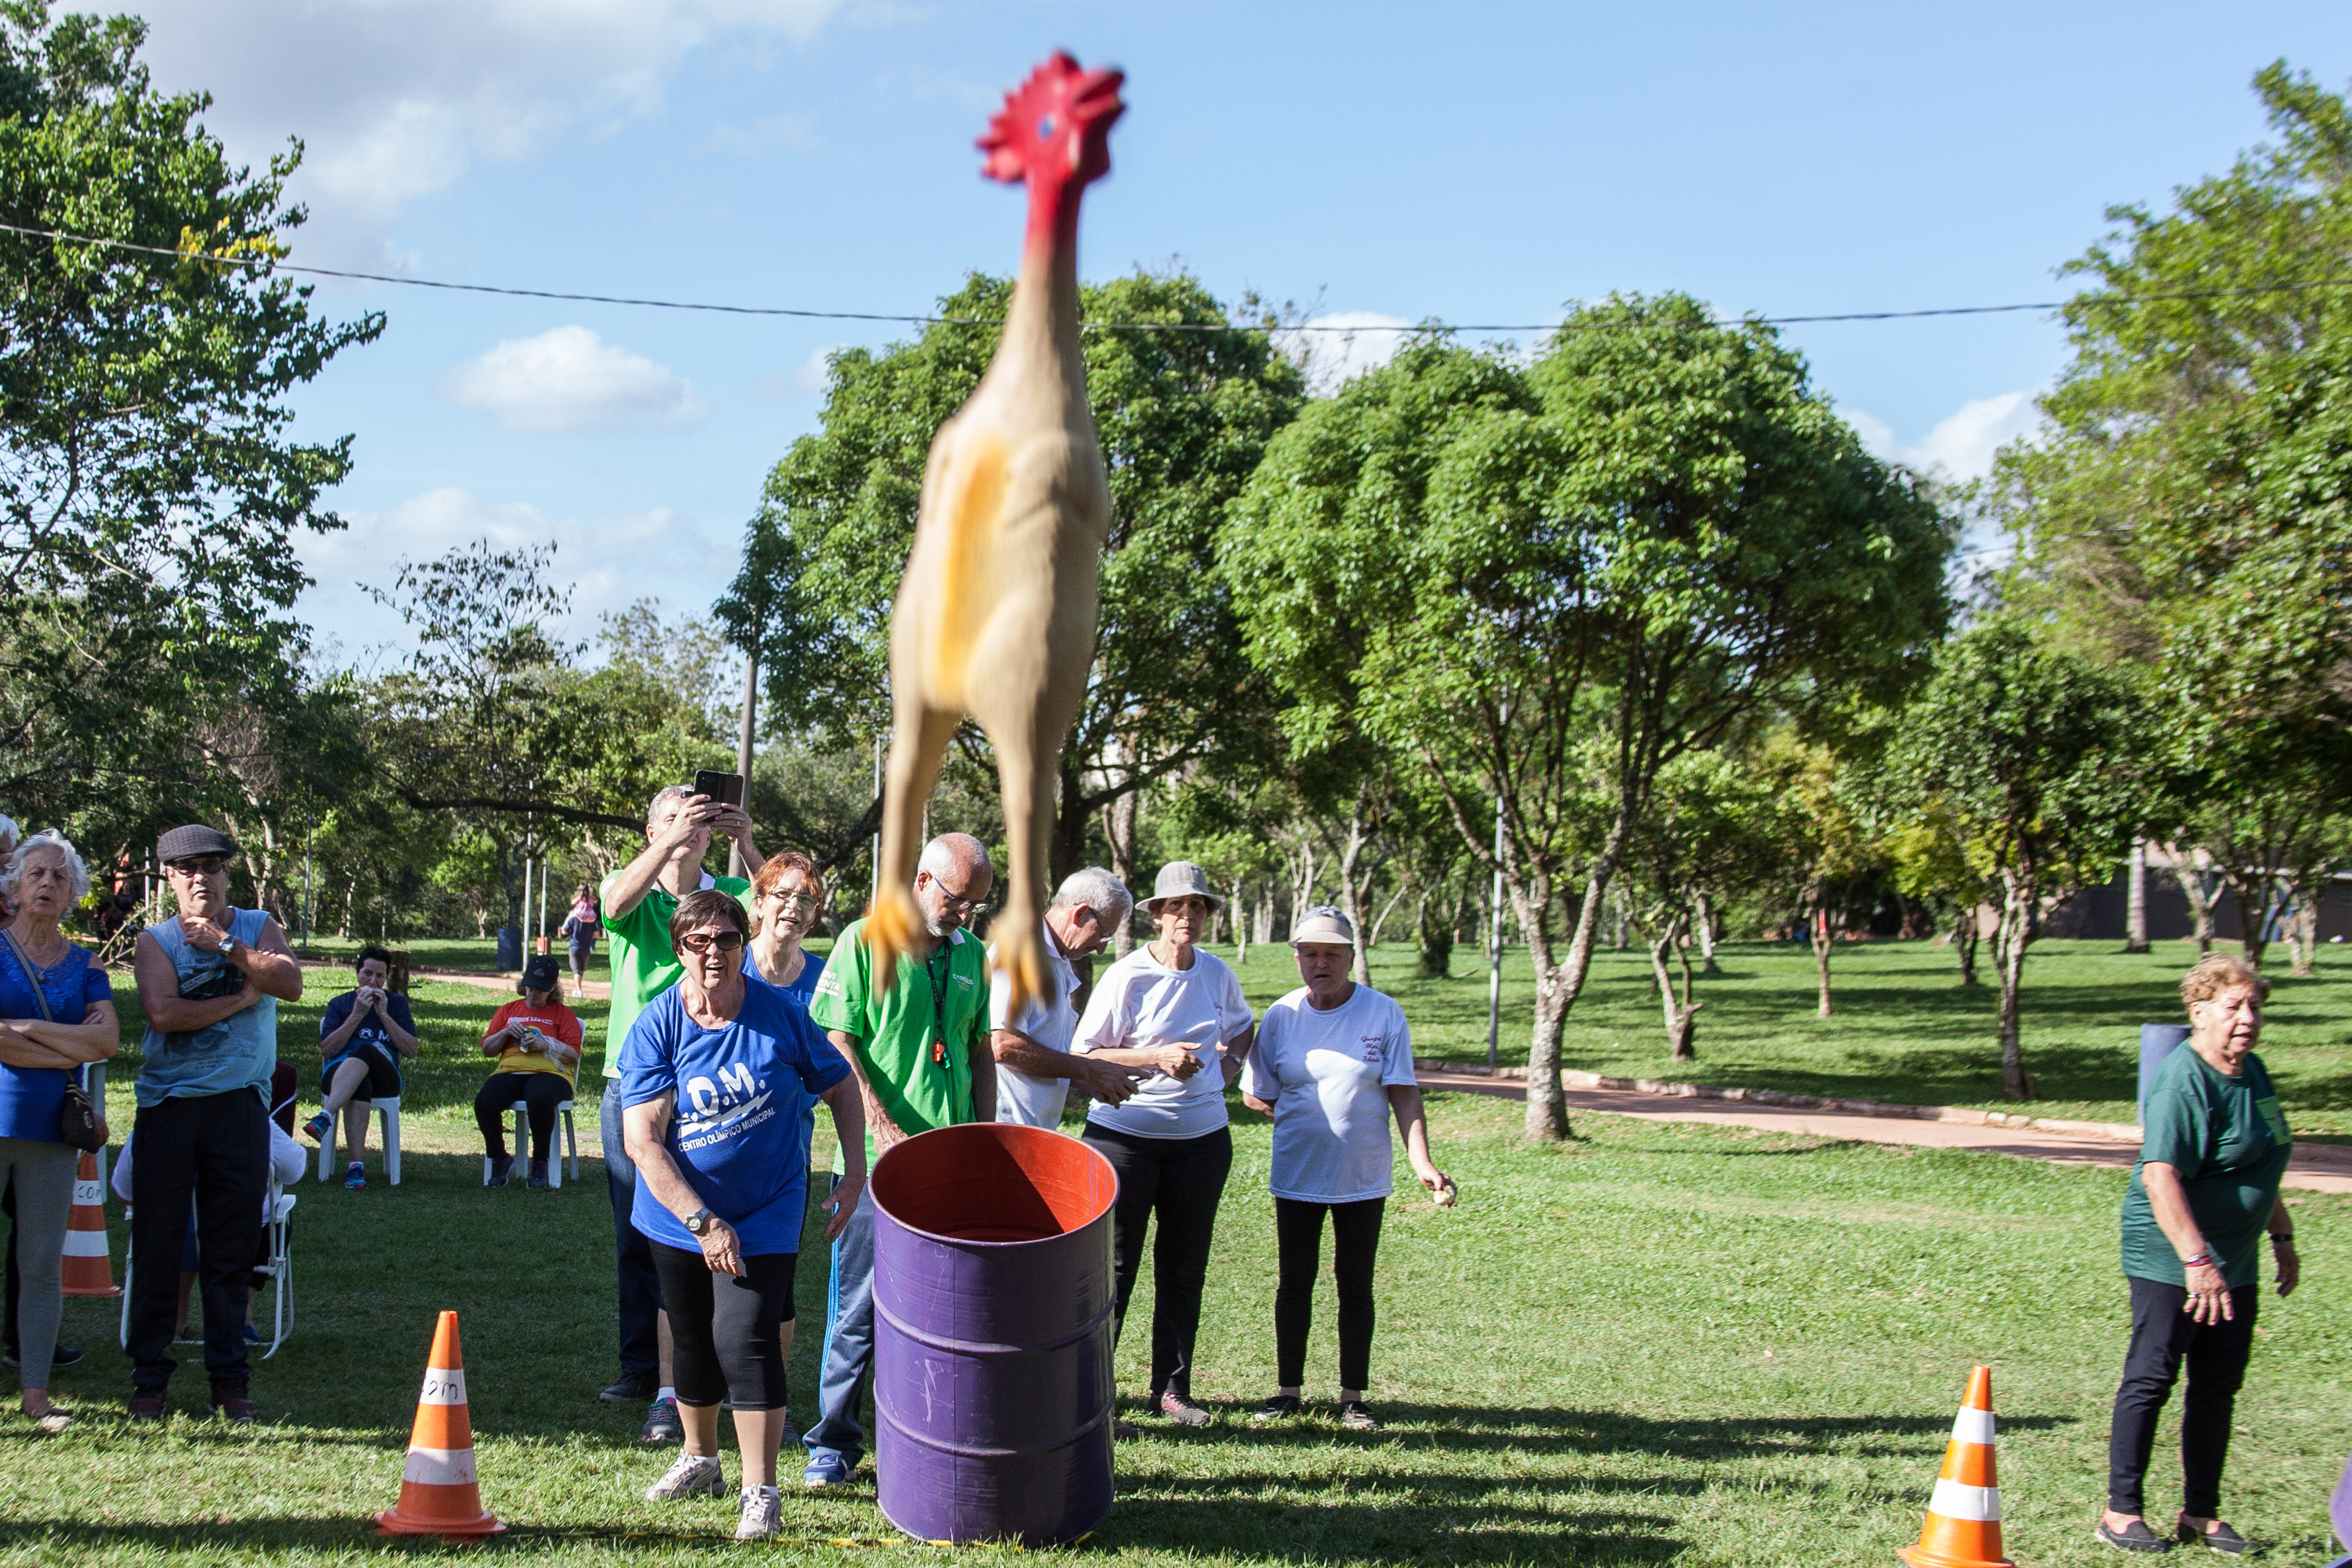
[208, 866]
[703, 942]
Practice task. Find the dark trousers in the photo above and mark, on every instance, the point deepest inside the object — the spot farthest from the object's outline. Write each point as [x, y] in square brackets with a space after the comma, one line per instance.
[8, 1207]
[1182, 1179]
[1298, 1241]
[723, 1328]
[2162, 1338]
[540, 1093]
[640, 1287]
[213, 1149]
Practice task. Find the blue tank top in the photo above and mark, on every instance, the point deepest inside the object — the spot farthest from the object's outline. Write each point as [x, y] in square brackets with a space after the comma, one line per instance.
[238, 1052]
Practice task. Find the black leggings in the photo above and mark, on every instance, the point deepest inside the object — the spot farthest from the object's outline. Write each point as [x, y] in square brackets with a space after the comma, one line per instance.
[1182, 1178]
[2162, 1337]
[1299, 1240]
[540, 1092]
[723, 1330]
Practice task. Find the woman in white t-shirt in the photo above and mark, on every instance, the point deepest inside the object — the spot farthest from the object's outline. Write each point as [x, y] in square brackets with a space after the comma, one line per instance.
[1334, 1061]
[1176, 1011]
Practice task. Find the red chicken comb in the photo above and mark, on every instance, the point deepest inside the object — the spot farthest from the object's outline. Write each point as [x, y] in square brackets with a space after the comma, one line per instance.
[1055, 126]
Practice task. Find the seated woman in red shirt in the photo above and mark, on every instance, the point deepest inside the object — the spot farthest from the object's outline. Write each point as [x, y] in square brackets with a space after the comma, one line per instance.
[537, 1042]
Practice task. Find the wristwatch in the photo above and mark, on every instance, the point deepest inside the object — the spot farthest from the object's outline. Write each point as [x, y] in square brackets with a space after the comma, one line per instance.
[228, 947]
[699, 1221]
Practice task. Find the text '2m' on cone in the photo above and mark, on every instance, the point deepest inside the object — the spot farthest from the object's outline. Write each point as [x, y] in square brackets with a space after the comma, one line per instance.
[1963, 1528]
[440, 1492]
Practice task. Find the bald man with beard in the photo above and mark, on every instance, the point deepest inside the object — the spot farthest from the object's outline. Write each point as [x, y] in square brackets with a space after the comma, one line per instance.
[915, 1048]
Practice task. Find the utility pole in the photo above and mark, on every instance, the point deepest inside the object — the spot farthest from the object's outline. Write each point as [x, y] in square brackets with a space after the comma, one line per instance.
[876, 846]
[743, 753]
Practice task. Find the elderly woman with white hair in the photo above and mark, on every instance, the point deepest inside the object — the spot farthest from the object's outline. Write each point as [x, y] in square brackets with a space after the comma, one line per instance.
[57, 1015]
[1177, 1014]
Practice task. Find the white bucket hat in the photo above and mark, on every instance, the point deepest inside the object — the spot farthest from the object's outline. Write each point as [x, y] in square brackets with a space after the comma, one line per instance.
[1181, 879]
[1325, 924]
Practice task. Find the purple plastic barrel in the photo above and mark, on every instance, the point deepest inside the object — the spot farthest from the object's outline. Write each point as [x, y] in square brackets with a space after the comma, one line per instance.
[993, 1334]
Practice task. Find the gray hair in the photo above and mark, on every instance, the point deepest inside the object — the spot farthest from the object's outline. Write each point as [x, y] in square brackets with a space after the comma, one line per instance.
[1096, 889]
[9, 830]
[653, 806]
[956, 852]
[47, 841]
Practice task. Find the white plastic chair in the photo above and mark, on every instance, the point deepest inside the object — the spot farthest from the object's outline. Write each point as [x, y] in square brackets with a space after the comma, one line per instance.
[387, 1108]
[280, 1269]
[568, 1138]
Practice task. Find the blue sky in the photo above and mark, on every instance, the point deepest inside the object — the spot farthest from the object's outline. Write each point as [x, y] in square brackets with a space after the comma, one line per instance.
[1372, 162]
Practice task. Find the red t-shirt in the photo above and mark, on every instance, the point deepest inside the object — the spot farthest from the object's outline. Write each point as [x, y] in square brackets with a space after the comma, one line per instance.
[555, 1020]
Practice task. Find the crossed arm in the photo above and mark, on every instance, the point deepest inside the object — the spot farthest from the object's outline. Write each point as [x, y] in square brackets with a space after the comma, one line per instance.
[38, 1043]
[268, 964]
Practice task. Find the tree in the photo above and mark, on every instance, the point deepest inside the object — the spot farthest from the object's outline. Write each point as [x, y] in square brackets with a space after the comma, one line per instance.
[2027, 752]
[1713, 823]
[1651, 537]
[1182, 416]
[152, 491]
[1834, 863]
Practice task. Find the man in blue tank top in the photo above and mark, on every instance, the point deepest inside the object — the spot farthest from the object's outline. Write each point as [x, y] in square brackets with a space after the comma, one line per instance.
[210, 979]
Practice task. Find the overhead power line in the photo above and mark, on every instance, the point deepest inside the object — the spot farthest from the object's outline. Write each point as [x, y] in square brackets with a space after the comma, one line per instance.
[270, 263]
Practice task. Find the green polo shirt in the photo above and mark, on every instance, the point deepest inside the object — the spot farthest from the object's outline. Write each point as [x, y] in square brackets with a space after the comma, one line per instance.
[2228, 1141]
[943, 1002]
[642, 964]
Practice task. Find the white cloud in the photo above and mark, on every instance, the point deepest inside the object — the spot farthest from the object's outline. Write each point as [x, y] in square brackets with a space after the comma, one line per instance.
[1962, 443]
[610, 561]
[809, 379]
[568, 378]
[397, 99]
[1356, 341]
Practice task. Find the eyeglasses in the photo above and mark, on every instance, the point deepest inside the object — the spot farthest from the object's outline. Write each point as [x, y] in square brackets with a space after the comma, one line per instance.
[207, 865]
[703, 942]
[806, 900]
[957, 901]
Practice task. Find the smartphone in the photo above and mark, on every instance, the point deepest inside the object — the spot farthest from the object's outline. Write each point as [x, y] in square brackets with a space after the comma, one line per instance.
[727, 789]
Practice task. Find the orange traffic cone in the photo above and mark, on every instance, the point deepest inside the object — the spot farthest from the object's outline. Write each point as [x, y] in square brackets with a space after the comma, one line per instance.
[440, 1492]
[1963, 1529]
[89, 1266]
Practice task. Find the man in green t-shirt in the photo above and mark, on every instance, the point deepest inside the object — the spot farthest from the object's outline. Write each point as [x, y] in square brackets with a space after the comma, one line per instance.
[915, 1048]
[638, 901]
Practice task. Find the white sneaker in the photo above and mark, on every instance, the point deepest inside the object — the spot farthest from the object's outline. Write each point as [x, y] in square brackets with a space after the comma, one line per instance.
[763, 1514]
[692, 1475]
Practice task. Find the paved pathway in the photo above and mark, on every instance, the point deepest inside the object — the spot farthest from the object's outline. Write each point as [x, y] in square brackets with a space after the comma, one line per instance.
[2319, 1168]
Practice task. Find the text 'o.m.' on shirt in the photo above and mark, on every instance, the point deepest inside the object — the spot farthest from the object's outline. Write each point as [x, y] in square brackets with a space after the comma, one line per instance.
[738, 1132]
[1140, 1004]
[2228, 1141]
[1052, 1021]
[1327, 1077]
[921, 1036]
[642, 964]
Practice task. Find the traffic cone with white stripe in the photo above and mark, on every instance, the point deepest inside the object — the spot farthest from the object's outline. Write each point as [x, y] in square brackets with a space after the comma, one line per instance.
[440, 1492]
[89, 1266]
[1963, 1529]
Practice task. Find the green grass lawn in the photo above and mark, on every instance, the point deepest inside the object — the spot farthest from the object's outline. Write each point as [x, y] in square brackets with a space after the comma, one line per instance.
[1654, 1343]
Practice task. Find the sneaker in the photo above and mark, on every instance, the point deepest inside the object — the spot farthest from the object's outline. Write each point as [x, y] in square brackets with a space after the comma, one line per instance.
[252, 1335]
[2134, 1537]
[355, 1178]
[501, 1164]
[64, 1355]
[691, 1475]
[2221, 1538]
[1180, 1409]
[538, 1181]
[232, 1402]
[662, 1425]
[1357, 1416]
[147, 1405]
[1275, 1409]
[762, 1514]
[631, 1387]
[828, 1469]
[318, 1127]
[55, 1422]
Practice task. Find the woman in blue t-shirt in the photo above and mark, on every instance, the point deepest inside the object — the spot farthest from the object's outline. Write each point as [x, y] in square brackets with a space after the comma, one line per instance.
[715, 1074]
[56, 1014]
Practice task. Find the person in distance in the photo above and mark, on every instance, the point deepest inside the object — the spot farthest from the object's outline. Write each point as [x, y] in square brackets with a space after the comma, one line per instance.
[1034, 1068]
[363, 1036]
[536, 1040]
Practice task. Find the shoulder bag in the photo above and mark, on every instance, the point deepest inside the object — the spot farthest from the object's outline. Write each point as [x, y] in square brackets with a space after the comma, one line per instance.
[79, 1123]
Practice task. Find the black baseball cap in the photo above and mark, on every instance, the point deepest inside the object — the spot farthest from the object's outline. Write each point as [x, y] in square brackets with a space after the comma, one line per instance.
[539, 973]
[190, 842]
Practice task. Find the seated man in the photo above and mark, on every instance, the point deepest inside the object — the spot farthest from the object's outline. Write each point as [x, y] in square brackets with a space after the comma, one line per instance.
[536, 1041]
[363, 1036]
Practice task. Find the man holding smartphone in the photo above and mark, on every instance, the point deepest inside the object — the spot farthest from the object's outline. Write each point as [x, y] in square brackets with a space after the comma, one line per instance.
[638, 901]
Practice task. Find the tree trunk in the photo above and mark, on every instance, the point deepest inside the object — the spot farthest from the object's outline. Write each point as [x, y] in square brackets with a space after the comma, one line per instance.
[1381, 920]
[1965, 935]
[2010, 939]
[1823, 943]
[1547, 1115]
[2136, 901]
[1118, 828]
[1263, 919]
[1706, 928]
[1068, 851]
[1352, 898]
[1434, 939]
[1681, 1019]
[1240, 911]
[2195, 885]
[2303, 935]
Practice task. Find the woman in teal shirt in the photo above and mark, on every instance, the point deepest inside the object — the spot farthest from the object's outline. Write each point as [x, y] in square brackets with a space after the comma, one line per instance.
[2206, 1189]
